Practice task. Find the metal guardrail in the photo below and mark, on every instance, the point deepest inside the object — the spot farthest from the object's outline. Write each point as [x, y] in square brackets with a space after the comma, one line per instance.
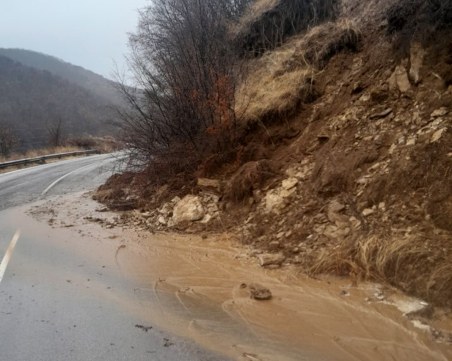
[44, 158]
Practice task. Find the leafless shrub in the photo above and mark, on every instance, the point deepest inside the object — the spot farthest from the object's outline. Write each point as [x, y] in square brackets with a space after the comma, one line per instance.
[184, 81]
[8, 140]
[55, 132]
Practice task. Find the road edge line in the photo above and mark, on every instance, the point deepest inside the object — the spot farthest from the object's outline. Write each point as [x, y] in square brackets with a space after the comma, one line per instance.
[8, 254]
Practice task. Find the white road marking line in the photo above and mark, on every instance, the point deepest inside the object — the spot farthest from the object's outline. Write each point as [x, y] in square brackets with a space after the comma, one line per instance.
[8, 254]
[61, 178]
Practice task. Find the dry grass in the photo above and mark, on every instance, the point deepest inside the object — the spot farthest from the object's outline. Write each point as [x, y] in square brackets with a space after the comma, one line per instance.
[255, 11]
[39, 152]
[417, 265]
[270, 93]
[281, 80]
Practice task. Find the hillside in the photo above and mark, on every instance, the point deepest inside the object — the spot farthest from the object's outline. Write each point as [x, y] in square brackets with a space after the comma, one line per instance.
[94, 83]
[338, 158]
[32, 101]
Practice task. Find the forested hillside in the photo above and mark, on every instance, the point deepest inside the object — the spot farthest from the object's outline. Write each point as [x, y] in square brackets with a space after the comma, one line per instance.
[95, 83]
[35, 103]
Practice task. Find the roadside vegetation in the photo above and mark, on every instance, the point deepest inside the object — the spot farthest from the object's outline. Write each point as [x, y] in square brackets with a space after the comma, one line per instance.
[321, 127]
[103, 145]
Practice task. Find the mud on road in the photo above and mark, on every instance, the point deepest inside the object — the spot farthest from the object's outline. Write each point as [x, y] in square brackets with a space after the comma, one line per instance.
[199, 288]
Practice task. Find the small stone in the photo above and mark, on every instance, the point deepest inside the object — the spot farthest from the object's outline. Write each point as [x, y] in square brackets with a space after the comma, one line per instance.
[335, 206]
[411, 141]
[207, 218]
[439, 112]
[381, 114]
[209, 183]
[367, 212]
[259, 292]
[269, 259]
[289, 183]
[437, 135]
[274, 245]
[162, 220]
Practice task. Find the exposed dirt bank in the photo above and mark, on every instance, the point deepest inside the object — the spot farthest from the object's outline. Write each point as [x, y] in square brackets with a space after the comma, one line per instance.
[199, 287]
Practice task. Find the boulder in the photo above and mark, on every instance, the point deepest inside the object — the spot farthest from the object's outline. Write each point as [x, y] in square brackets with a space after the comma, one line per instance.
[188, 209]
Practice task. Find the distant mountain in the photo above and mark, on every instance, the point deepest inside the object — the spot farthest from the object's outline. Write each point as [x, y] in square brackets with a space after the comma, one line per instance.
[86, 79]
[32, 100]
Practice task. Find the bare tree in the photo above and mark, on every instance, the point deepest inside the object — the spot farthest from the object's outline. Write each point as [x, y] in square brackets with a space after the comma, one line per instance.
[184, 83]
[8, 140]
[55, 132]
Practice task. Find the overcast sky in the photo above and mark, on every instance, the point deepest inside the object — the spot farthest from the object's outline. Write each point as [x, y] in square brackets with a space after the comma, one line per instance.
[89, 33]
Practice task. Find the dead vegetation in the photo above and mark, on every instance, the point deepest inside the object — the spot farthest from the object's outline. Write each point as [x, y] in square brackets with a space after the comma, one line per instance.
[268, 23]
[281, 81]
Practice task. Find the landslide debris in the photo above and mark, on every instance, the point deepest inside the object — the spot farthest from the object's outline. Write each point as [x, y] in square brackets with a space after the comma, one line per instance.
[345, 159]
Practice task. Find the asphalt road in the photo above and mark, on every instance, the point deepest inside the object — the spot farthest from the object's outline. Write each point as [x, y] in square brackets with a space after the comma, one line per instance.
[63, 297]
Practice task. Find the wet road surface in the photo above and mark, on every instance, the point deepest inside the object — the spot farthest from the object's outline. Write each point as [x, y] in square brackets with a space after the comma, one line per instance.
[62, 296]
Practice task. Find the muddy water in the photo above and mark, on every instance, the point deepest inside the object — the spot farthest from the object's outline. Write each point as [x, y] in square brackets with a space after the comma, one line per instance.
[195, 288]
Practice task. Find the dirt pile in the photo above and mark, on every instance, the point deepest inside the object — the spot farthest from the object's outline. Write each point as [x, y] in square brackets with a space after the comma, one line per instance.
[345, 162]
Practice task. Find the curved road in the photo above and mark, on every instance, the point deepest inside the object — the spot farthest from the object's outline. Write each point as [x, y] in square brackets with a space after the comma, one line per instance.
[64, 298]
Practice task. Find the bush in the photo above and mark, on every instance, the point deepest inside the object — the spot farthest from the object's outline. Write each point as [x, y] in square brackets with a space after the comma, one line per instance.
[184, 82]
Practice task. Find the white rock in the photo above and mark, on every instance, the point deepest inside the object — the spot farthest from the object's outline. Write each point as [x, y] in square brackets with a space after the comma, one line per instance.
[411, 141]
[289, 183]
[439, 112]
[175, 200]
[275, 199]
[437, 135]
[207, 218]
[399, 80]
[162, 220]
[270, 259]
[368, 212]
[188, 209]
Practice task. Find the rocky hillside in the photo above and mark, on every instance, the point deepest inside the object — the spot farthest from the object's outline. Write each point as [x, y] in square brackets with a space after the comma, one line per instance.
[345, 159]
